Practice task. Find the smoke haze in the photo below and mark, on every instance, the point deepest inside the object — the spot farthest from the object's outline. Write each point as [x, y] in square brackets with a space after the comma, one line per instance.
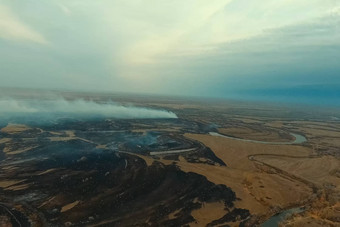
[49, 109]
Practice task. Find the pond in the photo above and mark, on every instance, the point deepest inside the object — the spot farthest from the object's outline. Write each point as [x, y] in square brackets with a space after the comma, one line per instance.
[276, 219]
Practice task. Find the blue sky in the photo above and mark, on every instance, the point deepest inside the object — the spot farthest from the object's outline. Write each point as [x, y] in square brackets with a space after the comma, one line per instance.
[273, 50]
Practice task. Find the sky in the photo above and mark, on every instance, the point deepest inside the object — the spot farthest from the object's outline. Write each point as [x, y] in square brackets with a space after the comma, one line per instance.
[282, 50]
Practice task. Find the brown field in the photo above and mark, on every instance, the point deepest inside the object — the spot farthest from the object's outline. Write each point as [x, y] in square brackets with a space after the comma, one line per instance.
[209, 211]
[257, 186]
[268, 178]
[324, 174]
[69, 206]
[9, 183]
[14, 128]
[11, 151]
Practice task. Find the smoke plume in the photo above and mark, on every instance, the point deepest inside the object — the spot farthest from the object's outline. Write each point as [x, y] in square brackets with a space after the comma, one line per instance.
[79, 108]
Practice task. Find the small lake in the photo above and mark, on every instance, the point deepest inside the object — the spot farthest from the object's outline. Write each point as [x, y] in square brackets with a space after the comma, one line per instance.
[298, 138]
[276, 219]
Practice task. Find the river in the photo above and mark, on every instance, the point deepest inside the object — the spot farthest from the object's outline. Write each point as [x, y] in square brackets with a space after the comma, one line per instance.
[298, 139]
[276, 219]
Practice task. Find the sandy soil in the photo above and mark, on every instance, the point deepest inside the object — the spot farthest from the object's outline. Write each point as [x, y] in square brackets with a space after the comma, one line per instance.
[208, 212]
[173, 214]
[235, 153]
[47, 201]
[306, 168]
[57, 138]
[69, 206]
[258, 191]
[18, 187]
[8, 183]
[5, 140]
[100, 146]
[46, 172]
[14, 128]
[9, 151]
[70, 135]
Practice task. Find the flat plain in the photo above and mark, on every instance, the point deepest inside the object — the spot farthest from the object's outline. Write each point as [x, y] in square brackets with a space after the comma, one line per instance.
[220, 163]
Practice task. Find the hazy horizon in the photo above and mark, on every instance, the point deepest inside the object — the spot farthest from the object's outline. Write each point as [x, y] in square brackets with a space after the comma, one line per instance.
[280, 51]
[43, 93]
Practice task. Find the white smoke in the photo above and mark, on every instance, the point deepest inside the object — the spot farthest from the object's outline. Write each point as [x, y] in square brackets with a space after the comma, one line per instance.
[79, 108]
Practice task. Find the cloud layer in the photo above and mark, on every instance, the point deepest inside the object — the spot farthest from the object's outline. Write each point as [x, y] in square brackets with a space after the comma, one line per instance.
[11, 28]
[195, 47]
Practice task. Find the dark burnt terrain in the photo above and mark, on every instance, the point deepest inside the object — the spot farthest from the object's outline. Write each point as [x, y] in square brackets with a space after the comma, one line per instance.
[78, 173]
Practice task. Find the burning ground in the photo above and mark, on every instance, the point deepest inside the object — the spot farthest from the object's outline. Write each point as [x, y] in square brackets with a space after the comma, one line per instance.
[91, 173]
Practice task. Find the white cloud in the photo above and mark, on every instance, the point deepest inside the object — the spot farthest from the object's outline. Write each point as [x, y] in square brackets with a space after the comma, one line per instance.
[154, 30]
[11, 28]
